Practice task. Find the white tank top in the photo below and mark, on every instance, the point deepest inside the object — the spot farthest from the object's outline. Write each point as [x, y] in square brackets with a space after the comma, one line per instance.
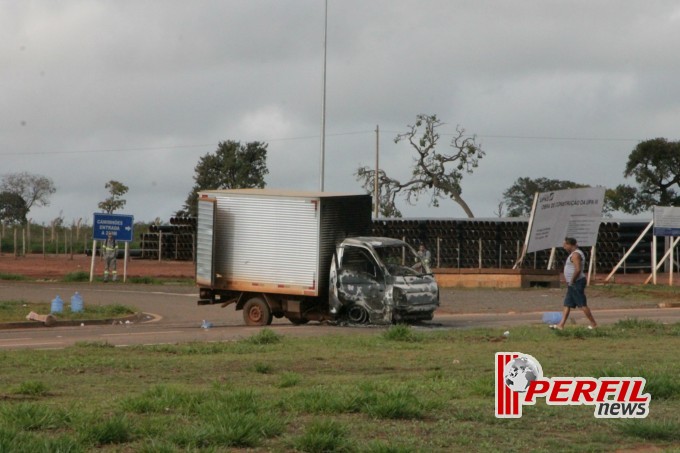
[569, 267]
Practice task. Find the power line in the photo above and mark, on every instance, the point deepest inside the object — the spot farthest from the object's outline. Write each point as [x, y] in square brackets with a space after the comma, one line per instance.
[315, 137]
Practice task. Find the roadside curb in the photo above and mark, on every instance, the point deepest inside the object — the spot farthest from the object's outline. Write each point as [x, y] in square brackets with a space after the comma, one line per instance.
[136, 317]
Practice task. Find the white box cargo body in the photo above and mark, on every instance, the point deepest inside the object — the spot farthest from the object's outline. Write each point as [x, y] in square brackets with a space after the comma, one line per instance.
[274, 241]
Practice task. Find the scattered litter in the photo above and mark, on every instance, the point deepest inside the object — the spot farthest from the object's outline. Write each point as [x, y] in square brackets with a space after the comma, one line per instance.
[206, 324]
[82, 324]
[506, 333]
[48, 320]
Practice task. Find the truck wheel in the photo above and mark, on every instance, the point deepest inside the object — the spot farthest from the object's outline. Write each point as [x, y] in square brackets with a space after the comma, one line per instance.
[357, 314]
[256, 312]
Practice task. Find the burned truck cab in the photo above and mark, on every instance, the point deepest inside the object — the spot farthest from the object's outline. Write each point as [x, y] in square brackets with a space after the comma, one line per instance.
[380, 280]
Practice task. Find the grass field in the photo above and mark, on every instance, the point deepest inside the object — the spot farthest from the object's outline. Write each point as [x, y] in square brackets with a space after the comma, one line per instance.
[399, 390]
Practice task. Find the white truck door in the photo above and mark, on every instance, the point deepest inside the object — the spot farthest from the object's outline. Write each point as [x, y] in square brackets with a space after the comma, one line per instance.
[205, 242]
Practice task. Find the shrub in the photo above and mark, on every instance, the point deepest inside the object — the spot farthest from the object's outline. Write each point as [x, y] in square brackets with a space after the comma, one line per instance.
[33, 388]
[78, 276]
[401, 332]
[264, 336]
[114, 430]
[323, 436]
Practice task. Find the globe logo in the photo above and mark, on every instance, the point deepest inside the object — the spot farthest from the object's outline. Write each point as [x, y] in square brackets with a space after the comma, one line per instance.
[520, 372]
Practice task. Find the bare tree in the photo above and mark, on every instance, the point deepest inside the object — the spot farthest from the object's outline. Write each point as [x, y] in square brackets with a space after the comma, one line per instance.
[34, 189]
[433, 171]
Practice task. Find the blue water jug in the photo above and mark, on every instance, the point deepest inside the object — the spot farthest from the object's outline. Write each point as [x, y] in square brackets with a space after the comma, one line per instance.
[76, 303]
[552, 317]
[57, 305]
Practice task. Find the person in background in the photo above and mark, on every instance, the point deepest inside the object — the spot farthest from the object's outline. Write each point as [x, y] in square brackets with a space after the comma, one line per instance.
[110, 254]
[576, 284]
[425, 256]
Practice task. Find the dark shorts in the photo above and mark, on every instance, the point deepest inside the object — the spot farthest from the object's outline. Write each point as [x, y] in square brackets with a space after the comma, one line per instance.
[576, 294]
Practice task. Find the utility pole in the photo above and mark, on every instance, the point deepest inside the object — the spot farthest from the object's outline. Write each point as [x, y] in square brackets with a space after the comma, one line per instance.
[323, 102]
[376, 185]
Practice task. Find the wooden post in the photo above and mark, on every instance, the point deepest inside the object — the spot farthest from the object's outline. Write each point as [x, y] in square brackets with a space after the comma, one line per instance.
[551, 260]
[479, 254]
[528, 235]
[670, 274]
[674, 243]
[94, 252]
[653, 259]
[632, 247]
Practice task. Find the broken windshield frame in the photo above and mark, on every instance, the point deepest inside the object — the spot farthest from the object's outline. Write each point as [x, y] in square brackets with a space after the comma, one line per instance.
[401, 260]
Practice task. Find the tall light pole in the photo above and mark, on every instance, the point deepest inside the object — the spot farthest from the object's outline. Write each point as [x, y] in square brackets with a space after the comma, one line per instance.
[376, 185]
[323, 102]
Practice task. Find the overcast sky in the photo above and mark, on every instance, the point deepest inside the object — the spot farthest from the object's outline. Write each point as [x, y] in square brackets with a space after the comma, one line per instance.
[138, 91]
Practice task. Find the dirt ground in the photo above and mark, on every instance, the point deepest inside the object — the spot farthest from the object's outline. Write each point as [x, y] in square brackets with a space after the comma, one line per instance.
[48, 267]
[37, 266]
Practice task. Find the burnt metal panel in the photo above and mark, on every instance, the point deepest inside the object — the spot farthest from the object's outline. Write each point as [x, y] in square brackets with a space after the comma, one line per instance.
[341, 217]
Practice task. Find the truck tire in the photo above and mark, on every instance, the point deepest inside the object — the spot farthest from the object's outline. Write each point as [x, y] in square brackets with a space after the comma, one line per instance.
[256, 312]
[356, 314]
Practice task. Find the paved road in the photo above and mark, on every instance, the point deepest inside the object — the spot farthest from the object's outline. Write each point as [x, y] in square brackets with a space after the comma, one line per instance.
[173, 317]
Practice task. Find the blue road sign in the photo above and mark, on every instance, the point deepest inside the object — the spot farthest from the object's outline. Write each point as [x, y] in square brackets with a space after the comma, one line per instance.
[121, 226]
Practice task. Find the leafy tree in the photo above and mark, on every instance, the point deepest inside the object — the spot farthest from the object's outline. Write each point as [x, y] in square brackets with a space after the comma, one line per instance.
[520, 196]
[35, 190]
[114, 201]
[13, 209]
[438, 173]
[655, 165]
[232, 166]
[627, 199]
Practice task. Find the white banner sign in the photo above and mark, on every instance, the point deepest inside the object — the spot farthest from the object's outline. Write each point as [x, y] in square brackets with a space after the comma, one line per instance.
[566, 213]
[666, 221]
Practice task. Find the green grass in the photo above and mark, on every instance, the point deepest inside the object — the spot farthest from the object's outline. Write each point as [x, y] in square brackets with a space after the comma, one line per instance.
[78, 276]
[381, 391]
[14, 277]
[639, 292]
[16, 311]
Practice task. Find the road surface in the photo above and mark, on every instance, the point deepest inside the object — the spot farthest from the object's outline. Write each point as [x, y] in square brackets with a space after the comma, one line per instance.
[172, 316]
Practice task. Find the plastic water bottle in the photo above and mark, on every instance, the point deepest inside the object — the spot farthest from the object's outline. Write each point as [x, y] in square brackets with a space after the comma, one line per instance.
[76, 303]
[57, 305]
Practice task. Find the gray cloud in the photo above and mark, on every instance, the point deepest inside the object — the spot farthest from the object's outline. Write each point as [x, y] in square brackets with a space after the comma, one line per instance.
[139, 91]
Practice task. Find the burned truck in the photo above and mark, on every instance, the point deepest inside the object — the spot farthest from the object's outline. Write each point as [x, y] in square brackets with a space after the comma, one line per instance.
[306, 256]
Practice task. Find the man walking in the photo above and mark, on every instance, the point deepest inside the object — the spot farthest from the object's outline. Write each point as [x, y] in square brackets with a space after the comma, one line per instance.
[576, 284]
[110, 252]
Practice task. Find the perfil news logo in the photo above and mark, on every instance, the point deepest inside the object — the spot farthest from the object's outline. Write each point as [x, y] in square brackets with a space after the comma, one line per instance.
[519, 381]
